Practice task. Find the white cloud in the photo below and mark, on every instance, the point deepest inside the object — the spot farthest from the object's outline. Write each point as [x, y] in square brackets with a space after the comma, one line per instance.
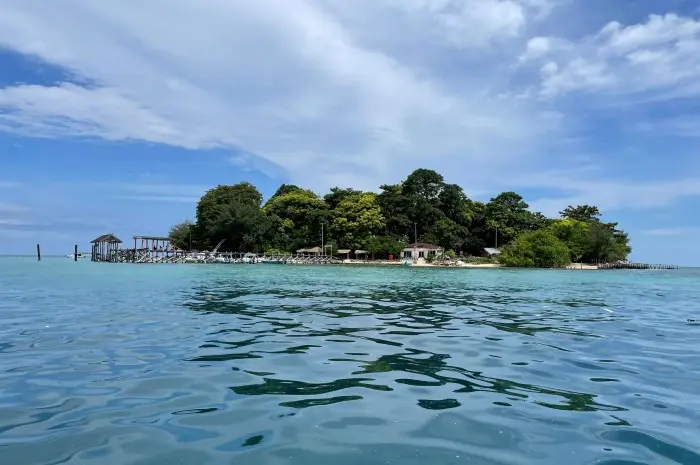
[12, 208]
[8, 184]
[71, 110]
[609, 194]
[295, 84]
[347, 93]
[177, 193]
[683, 126]
[15, 222]
[471, 22]
[158, 198]
[671, 232]
[660, 55]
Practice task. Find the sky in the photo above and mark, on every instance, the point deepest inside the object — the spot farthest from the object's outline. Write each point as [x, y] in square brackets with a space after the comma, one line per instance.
[117, 116]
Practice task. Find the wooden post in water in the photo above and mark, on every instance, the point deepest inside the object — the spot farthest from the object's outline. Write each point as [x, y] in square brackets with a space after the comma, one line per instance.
[75, 255]
[38, 252]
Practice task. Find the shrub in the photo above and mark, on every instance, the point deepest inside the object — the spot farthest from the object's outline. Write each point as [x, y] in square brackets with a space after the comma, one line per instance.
[540, 249]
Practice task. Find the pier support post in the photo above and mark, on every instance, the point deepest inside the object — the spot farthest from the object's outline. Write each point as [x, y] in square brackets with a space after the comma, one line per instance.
[38, 252]
[75, 254]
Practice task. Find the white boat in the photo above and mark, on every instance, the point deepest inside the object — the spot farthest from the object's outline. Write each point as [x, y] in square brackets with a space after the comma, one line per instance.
[81, 256]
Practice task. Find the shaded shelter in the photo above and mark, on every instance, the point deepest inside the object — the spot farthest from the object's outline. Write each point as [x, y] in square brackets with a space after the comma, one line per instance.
[152, 248]
[105, 248]
[422, 250]
[312, 250]
[490, 252]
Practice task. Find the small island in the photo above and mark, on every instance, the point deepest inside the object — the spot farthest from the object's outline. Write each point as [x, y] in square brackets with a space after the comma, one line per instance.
[387, 225]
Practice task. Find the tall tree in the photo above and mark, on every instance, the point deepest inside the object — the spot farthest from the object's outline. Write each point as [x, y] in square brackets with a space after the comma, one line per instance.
[575, 234]
[244, 226]
[180, 234]
[284, 189]
[506, 216]
[395, 207]
[302, 214]
[357, 218]
[585, 213]
[337, 195]
[212, 204]
[423, 183]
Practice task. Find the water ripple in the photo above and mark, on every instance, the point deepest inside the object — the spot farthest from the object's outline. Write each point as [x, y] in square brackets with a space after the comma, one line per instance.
[248, 364]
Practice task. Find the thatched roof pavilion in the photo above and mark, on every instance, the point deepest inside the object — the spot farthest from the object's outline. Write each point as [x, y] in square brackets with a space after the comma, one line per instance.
[107, 238]
[104, 248]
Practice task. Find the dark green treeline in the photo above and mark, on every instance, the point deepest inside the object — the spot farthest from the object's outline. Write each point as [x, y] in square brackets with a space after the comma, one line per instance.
[423, 205]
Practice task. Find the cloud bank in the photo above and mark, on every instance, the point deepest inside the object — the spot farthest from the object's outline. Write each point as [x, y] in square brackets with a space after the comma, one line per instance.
[338, 93]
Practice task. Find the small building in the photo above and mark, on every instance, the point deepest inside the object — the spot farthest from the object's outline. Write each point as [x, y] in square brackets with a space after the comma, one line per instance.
[105, 248]
[422, 250]
[345, 252]
[361, 253]
[490, 252]
[310, 251]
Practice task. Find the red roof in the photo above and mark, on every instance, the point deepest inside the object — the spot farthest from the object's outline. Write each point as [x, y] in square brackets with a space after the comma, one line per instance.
[423, 245]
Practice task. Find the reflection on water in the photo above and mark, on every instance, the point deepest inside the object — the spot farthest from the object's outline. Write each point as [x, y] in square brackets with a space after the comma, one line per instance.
[250, 364]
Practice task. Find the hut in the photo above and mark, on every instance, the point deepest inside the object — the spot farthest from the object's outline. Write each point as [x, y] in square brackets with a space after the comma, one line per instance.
[105, 248]
[491, 252]
[422, 250]
[345, 252]
[311, 251]
[361, 254]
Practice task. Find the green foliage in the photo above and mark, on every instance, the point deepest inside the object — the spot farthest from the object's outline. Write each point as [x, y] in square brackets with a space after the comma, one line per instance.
[274, 251]
[212, 205]
[540, 249]
[585, 213]
[450, 254]
[179, 234]
[603, 242]
[575, 234]
[384, 246]
[302, 214]
[337, 195]
[423, 207]
[355, 218]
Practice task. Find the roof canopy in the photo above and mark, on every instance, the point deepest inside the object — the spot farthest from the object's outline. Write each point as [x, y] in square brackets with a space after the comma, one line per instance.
[311, 250]
[343, 251]
[492, 251]
[152, 238]
[109, 238]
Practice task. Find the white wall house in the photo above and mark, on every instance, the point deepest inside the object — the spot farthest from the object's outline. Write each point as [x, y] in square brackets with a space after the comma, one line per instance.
[422, 250]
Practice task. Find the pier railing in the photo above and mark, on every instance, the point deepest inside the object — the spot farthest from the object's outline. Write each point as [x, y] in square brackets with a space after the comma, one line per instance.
[635, 266]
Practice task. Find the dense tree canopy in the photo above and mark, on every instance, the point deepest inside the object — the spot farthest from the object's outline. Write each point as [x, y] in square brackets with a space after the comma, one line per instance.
[423, 207]
[180, 234]
[538, 248]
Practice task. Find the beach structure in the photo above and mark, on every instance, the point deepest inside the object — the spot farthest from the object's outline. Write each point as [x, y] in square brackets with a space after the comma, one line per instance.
[491, 252]
[105, 248]
[310, 251]
[345, 252]
[422, 250]
[153, 249]
[361, 254]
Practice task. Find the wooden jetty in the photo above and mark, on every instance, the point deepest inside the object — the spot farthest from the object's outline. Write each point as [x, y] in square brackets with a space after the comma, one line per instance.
[159, 249]
[635, 266]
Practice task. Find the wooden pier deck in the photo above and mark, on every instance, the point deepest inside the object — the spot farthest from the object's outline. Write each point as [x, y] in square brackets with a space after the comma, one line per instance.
[635, 266]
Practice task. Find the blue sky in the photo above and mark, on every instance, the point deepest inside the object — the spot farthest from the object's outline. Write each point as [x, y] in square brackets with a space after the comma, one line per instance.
[117, 116]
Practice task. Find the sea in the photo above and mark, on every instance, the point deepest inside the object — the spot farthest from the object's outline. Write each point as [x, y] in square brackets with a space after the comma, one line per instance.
[128, 364]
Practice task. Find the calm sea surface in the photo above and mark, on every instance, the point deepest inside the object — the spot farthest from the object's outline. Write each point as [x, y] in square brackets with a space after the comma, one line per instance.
[260, 364]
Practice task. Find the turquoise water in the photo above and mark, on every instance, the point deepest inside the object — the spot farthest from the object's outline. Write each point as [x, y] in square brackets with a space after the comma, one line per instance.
[254, 364]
